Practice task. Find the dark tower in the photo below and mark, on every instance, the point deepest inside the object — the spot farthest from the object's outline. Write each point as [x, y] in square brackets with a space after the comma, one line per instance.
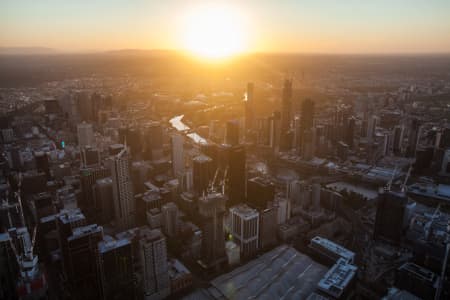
[286, 108]
[249, 107]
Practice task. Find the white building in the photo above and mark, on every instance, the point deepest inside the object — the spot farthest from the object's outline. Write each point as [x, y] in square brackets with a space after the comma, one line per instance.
[245, 228]
[85, 134]
[153, 252]
[124, 206]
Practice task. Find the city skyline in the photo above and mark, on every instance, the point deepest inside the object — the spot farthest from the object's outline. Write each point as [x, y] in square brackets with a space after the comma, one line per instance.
[260, 26]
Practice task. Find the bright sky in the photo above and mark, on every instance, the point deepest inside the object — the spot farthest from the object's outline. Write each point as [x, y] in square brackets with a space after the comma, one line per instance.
[327, 26]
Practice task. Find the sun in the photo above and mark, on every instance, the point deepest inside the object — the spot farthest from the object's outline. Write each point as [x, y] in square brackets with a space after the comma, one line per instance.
[214, 32]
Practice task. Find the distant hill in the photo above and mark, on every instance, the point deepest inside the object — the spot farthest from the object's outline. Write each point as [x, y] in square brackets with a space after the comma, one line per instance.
[26, 50]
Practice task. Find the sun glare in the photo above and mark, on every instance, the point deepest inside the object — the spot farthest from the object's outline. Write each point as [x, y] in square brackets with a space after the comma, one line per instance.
[214, 32]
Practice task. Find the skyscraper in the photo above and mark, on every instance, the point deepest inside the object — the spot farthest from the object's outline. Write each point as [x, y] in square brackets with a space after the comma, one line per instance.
[260, 192]
[245, 228]
[286, 109]
[81, 262]
[153, 255]
[124, 206]
[211, 210]
[236, 175]
[398, 139]
[202, 172]
[177, 154]
[85, 134]
[88, 177]
[389, 219]
[232, 133]
[115, 264]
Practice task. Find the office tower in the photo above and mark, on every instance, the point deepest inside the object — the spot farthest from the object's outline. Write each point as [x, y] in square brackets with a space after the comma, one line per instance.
[232, 133]
[124, 206]
[398, 139]
[268, 227]
[283, 206]
[413, 137]
[237, 175]
[211, 211]
[115, 149]
[445, 167]
[245, 228]
[371, 127]
[115, 263]
[140, 173]
[85, 134]
[103, 200]
[177, 154]
[286, 109]
[299, 193]
[249, 107]
[153, 137]
[88, 177]
[80, 262]
[153, 256]
[389, 219]
[263, 131]
[260, 192]
[90, 157]
[42, 164]
[169, 222]
[203, 173]
[385, 145]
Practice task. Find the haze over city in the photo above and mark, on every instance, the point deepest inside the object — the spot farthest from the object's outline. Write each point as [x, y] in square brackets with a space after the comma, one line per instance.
[325, 26]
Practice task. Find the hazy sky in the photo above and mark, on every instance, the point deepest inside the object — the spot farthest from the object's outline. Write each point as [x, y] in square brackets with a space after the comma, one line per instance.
[343, 26]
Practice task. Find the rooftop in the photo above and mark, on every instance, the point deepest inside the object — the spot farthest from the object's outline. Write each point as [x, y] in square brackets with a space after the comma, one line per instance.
[244, 211]
[281, 273]
[105, 246]
[337, 278]
[341, 251]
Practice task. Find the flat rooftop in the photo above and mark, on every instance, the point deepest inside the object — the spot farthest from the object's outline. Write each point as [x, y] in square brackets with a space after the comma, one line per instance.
[283, 273]
[338, 249]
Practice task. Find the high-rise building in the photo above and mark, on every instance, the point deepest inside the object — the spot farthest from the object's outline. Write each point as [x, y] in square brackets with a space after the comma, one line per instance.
[249, 107]
[413, 137]
[286, 110]
[307, 114]
[124, 203]
[81, 262]
[90, 157]
[153, 256]
[85, 134]
[236, 175]
[232, 133]
[389, 219]
[153, 136]
[274, 131]
[211, 211]
[177, 154]
[169, 222]
[8, 268]
[260, 192]
[268, 227]
[202, 172]
[245, 228]
[88, 177]
[42, 164]
[115, 263]
[103, 200]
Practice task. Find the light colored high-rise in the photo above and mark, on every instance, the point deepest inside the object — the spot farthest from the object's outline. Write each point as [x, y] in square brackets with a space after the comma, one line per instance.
[177, 154]
[124, 206]
[371, 127]
[85, 135]
[170, 219]
[245, 228]
[153, 252]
